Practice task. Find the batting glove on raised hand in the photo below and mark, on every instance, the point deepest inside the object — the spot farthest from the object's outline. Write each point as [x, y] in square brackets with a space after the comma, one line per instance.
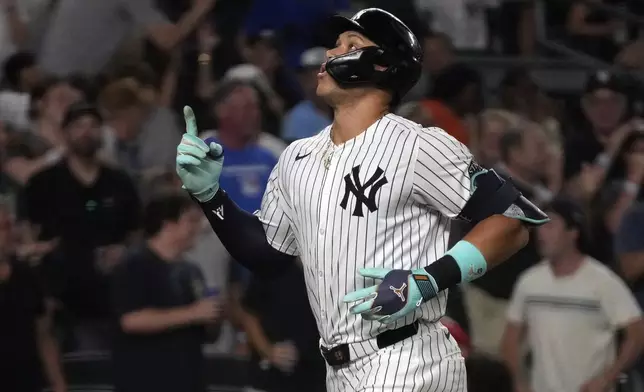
[198, 163]
[399, 294]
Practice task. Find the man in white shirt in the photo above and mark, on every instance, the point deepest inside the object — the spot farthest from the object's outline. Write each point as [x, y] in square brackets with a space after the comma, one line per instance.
[570, 308]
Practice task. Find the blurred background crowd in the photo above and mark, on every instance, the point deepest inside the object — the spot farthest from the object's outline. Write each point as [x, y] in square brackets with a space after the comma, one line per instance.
[547, 92]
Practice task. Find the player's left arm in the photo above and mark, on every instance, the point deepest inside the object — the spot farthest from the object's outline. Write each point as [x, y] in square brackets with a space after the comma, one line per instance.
[447, 179]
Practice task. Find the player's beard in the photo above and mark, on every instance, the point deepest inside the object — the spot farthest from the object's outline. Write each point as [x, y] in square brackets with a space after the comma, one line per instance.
[87, 148]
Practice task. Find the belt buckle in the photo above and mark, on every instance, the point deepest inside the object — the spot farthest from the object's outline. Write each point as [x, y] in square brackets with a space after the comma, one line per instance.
[336, 356]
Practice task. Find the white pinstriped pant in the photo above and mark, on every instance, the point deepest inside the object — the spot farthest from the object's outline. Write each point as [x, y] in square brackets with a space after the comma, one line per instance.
[429, 361]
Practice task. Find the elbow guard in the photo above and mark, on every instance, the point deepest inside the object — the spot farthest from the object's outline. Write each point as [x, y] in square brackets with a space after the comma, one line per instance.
[495, 196]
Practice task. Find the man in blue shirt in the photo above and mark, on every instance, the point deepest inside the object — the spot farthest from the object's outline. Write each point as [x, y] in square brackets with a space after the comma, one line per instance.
[245, 173]
[312, 115]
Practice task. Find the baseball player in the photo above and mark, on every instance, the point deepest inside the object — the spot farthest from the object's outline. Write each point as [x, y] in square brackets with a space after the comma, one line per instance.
[366, 204]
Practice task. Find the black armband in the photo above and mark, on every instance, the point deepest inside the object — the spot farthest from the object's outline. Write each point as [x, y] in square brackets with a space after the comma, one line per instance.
[243, 236]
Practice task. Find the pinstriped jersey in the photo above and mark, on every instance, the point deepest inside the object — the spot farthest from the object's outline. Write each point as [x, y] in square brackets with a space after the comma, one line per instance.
[382, 199]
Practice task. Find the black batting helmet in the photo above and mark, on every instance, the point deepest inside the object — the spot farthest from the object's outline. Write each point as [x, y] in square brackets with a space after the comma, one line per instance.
[398, 53]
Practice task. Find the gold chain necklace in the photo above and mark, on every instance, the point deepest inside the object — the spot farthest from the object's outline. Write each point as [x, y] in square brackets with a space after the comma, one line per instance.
[330, 149]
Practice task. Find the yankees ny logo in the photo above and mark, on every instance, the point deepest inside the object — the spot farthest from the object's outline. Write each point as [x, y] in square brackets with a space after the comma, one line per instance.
[352, 185]
[399, 292]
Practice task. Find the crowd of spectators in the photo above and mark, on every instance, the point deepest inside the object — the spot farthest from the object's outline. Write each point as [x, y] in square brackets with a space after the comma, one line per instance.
[101, 250]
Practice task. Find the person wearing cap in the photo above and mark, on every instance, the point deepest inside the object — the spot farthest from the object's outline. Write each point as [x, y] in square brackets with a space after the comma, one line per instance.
[568, 309]
[311, 115]
[605, 107]
[92, 210]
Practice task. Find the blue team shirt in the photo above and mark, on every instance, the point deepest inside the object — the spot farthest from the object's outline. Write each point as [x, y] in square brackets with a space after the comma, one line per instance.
[245, 175]
[304, 120]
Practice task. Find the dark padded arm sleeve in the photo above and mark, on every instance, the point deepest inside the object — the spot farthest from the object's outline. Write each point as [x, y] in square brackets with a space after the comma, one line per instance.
[243, 236]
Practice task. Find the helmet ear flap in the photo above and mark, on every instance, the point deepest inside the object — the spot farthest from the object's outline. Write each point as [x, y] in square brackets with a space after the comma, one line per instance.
[382, 65]
[387, 69]
[356, 68]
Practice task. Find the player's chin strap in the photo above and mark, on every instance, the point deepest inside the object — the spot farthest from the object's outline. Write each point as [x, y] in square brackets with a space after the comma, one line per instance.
[464, 262]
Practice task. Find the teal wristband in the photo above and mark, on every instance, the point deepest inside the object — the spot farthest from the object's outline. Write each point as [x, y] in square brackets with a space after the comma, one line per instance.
[470, 260]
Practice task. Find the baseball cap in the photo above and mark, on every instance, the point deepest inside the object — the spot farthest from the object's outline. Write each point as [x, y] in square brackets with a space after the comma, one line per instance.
[81, 109]
[569, 210]
[574, 216]
[313, 58]
[248, 73]
[605, 80]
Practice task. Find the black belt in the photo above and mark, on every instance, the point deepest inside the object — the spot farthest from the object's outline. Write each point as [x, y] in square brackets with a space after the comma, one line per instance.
[340, 355]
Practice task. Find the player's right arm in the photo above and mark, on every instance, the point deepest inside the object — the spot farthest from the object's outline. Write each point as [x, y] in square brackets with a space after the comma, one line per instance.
[263, 243]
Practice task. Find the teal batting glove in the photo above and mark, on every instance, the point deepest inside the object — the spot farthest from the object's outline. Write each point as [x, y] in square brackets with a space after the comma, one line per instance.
[399, 294]
[198, 164]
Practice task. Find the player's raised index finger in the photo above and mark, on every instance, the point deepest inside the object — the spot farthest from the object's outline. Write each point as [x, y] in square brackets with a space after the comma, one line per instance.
[191, 122]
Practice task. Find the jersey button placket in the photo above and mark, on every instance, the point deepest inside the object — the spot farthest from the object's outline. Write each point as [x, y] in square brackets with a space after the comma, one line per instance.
[324, 244]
